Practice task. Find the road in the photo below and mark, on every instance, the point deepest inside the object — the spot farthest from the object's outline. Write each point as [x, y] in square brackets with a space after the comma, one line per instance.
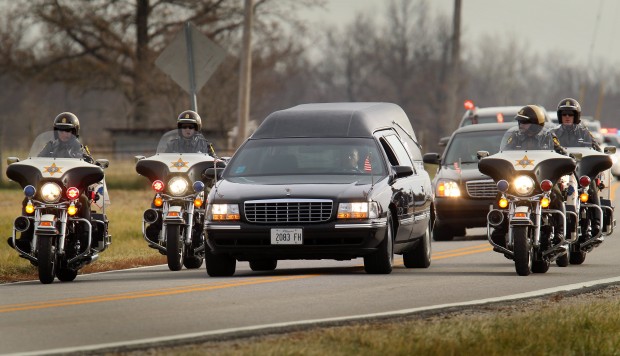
[124, 307]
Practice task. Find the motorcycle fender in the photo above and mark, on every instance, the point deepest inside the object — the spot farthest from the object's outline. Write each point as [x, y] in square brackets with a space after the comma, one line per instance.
[174, 215]
[521, 216]
[47, 225]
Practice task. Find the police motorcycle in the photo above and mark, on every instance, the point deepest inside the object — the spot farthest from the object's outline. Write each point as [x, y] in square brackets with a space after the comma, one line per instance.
[174, 223]
[64, 211]
[525, 181]
[590, 211]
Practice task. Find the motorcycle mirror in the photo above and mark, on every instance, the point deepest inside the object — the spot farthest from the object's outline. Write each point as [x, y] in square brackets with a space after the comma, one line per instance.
[103, 163]
[576, 156]
[482, 154]
[609, 149]
[138, 158]
[11, 160]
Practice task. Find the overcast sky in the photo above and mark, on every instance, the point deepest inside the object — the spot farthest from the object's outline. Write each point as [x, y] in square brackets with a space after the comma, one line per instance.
[589, 29]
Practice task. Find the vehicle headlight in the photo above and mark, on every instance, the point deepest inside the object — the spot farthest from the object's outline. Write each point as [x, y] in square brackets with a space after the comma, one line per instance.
[363, 210]
[50, 192]
[221, 212]
[447, 188]
[524, 185]
[178, 186]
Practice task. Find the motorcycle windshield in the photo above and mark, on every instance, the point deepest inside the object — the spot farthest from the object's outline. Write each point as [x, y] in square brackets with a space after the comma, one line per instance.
[176, 141]
[527, 138]
[57, 144]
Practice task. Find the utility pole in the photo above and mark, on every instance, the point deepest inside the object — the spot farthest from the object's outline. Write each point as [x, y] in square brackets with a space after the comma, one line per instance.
[455, 63]
[245, 74]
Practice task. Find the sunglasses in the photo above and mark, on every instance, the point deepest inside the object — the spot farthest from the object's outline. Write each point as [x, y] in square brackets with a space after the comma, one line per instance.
[187, 127]
[568, 114]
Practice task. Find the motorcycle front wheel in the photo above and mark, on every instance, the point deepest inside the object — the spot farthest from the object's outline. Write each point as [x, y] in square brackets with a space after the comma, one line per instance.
[522, 250]
[47, 259]
[174, 247]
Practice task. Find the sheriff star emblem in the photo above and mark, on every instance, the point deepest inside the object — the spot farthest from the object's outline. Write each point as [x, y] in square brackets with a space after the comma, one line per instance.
[524, 162]
[180, 164]
[52, 169]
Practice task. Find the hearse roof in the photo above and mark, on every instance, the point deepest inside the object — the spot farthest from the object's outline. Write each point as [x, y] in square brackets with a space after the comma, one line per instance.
[358, 119]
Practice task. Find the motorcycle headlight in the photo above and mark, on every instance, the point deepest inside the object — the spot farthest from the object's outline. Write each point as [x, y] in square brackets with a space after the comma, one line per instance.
[447, 188]
[363, 210]
[178, 186]
[524, 185]
[50, 192]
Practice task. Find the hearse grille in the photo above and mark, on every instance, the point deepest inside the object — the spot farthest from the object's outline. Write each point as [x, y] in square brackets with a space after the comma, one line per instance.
[482, 188]
[288, 211]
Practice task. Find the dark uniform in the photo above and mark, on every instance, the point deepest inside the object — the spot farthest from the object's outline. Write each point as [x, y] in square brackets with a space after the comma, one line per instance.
[194, 144]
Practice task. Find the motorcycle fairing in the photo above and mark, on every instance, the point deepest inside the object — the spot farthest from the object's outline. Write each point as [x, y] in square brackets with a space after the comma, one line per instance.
[34, 170]
[164, 164]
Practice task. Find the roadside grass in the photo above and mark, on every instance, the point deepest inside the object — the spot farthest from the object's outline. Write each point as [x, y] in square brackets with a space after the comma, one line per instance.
[553, 327]
[128, 248]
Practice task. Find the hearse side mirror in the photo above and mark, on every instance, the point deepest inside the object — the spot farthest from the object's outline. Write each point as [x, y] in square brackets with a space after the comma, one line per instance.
[482, 154]
[403, 171]
[431, 158]
[609, 150]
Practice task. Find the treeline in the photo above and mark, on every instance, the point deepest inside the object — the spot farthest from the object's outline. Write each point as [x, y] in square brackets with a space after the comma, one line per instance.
[96, 58]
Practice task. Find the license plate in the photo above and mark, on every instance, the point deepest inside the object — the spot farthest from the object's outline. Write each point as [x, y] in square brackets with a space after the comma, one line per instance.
[287, 237]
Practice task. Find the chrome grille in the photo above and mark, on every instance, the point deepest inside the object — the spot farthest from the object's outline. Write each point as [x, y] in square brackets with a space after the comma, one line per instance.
[288, 210]
[481, 188]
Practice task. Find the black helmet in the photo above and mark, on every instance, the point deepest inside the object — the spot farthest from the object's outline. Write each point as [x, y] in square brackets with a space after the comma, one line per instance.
[67, 121]
[532, 114]
[189, 117]
[570, 104]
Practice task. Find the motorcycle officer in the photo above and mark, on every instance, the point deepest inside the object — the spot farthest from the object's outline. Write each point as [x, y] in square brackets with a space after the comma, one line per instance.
[190, 140]
[532, 136]
[572, 134]
[66, 144]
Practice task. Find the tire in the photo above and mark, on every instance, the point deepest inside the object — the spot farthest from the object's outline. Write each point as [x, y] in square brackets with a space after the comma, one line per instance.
[522, 251]
[540, 266]
[174, 247]
[220, 265]
[577, 256]
[443, 233]
[263, 264]
[420, 256]
[563, 261]
[192, 262]
[380, 261]
[66, 274]
[47, 259]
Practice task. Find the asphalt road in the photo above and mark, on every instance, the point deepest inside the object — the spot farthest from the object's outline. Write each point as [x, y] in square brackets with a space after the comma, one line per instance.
[130, 306]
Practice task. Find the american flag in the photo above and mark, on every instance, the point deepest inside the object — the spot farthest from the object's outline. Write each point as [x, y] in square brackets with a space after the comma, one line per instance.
[367, 166]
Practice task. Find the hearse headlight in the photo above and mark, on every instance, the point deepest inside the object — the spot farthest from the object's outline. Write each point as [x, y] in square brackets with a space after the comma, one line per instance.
[362, 210]
[524, 185]
[224, 212]
[178, 186]
[50, 192]
[447, 188]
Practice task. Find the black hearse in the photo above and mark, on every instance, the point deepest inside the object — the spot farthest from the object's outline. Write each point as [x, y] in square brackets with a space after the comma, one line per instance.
[323, 181]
